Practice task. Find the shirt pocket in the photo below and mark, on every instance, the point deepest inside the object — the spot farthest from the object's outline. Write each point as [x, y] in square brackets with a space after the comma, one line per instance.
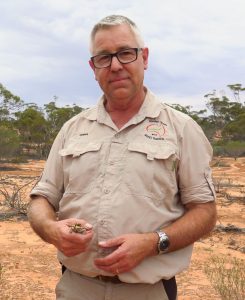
[81, 166]
[150, 169]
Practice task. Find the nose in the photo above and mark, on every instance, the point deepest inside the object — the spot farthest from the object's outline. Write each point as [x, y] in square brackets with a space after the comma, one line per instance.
[115, 64]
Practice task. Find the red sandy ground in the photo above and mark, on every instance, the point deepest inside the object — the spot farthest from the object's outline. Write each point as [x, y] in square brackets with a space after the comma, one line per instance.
[29, 269]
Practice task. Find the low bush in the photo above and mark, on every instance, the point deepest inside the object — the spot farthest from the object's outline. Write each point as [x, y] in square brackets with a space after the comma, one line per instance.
[227, 276]
[230, 148]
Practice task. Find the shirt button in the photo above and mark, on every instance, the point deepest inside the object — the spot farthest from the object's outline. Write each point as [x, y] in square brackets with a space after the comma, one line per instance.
[102, 222]
[106, 191]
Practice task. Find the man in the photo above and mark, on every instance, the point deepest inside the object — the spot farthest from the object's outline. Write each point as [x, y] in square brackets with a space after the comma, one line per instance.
[134, 173]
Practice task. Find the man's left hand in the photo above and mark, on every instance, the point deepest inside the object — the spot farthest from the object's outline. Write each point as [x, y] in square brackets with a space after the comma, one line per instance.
[131, 250]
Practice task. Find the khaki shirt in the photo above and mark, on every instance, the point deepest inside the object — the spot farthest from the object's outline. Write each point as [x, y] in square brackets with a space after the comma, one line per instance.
[133, 180]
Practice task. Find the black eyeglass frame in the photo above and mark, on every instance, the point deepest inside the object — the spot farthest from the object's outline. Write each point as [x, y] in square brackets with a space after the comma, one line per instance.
[111, 55]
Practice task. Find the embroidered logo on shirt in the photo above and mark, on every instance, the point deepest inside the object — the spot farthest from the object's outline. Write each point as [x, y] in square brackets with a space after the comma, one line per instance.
[156, 130]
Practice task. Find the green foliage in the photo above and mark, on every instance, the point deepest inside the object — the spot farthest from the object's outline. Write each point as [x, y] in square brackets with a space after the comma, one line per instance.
[235, 148]
[227, 276]
[33, 129]
[226, 117]
[57, 116]
[31, 125]
[9, 104]
[28, 130]
[224, 111]
[196, 115]
[235, 130]
[10, 142]
[200, 117]
[236, 88]
[229, 148]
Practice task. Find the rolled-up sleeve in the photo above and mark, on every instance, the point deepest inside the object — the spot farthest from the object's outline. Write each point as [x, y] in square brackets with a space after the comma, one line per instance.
[194, 173]
[51, 183]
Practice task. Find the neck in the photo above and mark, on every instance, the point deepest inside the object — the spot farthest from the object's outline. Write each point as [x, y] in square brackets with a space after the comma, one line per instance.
[125, 109]
[125, 104]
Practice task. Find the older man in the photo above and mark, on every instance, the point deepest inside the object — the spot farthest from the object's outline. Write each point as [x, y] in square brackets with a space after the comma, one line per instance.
[134, 173]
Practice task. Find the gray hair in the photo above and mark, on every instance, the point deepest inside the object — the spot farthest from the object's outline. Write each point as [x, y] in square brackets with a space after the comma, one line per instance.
[114, 20]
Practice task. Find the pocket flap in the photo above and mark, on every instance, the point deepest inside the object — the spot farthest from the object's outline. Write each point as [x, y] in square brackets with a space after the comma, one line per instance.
[79, 149]
[162, 151]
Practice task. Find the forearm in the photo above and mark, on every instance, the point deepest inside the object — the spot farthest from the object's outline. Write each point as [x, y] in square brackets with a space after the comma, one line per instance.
[198, 221]
[41, 215]
[43, 220]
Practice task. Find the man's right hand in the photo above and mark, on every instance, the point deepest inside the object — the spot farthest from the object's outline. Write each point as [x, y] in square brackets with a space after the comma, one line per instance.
[43, 220]
[66, 240]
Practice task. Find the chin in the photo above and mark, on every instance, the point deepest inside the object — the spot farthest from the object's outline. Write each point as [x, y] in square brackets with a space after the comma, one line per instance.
[120, 93]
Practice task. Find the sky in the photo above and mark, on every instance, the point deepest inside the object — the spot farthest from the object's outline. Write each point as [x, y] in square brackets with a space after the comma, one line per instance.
[195, 46]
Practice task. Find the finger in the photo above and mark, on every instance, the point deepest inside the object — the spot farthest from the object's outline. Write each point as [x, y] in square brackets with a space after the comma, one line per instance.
[75, 246]
[74, 242]
[78, 238]
[110, 259]
[111, 269]
[115, 269]
[111, 243]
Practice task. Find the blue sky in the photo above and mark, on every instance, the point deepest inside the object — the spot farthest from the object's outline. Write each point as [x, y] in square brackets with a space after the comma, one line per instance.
[195, 46]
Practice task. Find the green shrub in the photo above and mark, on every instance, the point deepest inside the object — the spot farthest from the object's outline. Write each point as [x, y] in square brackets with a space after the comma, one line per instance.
[230, 148]
[227, 276]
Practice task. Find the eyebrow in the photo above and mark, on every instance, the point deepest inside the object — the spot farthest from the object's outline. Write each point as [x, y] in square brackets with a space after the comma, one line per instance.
[106, 52]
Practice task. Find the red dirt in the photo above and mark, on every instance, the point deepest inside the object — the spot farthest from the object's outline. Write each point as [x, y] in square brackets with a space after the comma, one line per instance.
[29, 269]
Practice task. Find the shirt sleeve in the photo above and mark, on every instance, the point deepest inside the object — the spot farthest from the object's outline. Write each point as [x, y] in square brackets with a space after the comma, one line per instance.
[194, 172]
[51, 183]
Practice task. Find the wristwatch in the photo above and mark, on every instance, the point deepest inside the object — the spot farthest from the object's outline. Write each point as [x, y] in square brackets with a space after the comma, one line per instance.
[163, 242]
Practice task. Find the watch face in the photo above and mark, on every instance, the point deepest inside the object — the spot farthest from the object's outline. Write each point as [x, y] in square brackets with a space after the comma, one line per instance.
[163, 243]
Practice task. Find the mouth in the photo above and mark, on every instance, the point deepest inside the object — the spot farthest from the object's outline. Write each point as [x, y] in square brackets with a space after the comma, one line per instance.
[120, 79]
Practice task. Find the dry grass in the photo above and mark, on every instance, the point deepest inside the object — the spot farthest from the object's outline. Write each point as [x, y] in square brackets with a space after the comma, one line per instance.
[13, 193]
[227, 277]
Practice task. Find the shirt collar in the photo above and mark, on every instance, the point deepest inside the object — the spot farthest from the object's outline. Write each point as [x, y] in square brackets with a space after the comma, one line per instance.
[150, 108]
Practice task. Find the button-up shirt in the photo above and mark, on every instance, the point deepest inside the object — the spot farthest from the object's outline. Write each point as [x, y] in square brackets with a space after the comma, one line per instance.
[135, 179]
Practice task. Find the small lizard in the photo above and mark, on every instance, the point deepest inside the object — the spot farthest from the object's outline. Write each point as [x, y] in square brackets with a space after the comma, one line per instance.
[78, 228]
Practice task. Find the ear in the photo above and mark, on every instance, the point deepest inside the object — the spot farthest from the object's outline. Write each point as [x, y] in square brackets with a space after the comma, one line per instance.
[145, 54]
[91, 65]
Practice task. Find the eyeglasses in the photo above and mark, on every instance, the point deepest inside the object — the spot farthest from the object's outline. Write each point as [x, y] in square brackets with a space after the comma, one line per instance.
[124, 56]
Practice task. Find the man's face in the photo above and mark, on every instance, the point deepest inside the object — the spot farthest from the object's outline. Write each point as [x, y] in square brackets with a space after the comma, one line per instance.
[119, 81]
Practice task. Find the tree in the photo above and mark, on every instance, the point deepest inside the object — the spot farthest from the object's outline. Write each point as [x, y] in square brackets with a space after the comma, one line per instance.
[235, 130]
[236, 89]
[57, 116]
[9, 104]
[199, 116]
[228, 118]
[33, 129]
[223, 110]
[10, 142]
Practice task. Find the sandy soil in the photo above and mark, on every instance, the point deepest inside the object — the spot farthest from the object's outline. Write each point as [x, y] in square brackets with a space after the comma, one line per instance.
[29, 269]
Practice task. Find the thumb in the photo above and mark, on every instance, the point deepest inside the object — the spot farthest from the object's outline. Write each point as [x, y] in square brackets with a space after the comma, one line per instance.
[111, 243]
